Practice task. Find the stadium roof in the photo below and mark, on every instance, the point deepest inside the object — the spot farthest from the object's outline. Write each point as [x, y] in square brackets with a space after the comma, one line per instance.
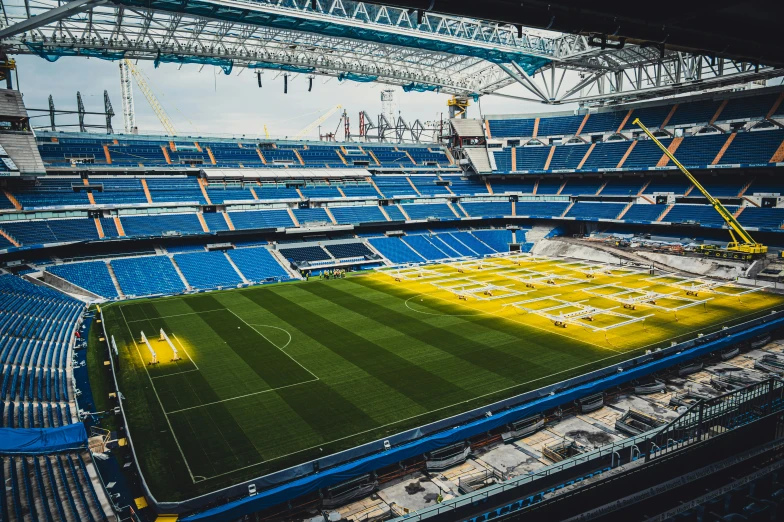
[365, 42]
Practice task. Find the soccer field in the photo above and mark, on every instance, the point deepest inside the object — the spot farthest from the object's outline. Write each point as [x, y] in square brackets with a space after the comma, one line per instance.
[277, 375]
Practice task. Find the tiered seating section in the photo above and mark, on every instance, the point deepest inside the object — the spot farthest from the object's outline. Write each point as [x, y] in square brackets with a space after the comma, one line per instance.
[749, 149]
[80, 150]
[37, 327]
[421, 248]
[186, 220]
[749, 107]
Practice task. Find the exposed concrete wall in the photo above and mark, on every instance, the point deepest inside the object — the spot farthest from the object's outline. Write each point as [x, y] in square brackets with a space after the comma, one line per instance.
[553, 248]
[69, 288]
[697, 265]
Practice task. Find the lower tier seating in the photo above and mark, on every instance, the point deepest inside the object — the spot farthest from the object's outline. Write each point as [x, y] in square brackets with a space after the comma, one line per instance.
[150, 275]
[207, 270]
[93, 276]
[257, 264]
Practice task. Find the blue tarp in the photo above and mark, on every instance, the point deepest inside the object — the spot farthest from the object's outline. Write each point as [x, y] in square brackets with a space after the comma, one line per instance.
[420, 87]
[362, 78]
[52, 55]
[347, 471]
[226, 65]
[281, 67]
[42, 441]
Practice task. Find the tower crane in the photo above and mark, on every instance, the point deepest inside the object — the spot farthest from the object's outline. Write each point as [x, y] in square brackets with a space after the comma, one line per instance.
[742, 245]
[126, 67]
[321, 119]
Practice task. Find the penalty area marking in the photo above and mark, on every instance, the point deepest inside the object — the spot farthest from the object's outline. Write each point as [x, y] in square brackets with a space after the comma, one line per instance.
[281, 348]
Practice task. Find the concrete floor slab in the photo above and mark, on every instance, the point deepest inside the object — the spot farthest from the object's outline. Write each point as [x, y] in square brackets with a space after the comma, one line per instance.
[415, 493]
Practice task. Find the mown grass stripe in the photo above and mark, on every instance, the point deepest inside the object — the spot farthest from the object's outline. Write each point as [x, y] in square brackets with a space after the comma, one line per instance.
[482, 356]
[273, 366]
[416, 383]
[201, 433]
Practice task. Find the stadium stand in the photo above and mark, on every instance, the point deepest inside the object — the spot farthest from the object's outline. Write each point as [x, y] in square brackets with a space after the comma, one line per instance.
[348, 250]
[425, 248]
[206, 270]
[37, 326]
[394, 249]
[150, 275]
[356, 215]
[160, 224]
[498, 240]
[592, 211]
[257, 264]
[644, 213]
[435, 210]
[51, 230]
[308, 253]
[93, 276]
[261, 219]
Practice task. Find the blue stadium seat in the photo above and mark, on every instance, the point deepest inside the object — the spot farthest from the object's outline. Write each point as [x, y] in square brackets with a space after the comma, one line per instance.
[93, 276]
[207, 270]
[150, 275]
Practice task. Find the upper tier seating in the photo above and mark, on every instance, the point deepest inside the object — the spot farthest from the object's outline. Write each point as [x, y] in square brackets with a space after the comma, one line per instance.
[356, 215]
[38, 232]
[93, 276]
[426, 185]
[320, 192]
[644, 213]
[394, 213]
[311, 215]
[395, 186]
[359, 189]
[159, 224]
[488, 209]
[118, 191]
[593, 211]
[216, 221]
[466, 187]
[51, 192]
[705, 215]
[175, 189]
[151, 275]
[207, 270]
[261, 219]
[275, 191]
[540, 209]
[257, 264]
[220, 193]
[765, 218]
[435, 210]
[684, 113]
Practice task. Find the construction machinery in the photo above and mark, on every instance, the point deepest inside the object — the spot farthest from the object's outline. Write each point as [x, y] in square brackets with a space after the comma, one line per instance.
[742, 245]
[321, 119]
[126, 67]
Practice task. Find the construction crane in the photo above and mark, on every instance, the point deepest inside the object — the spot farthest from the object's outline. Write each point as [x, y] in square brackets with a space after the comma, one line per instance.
[321, 119]
[126, 66]
[742, 245]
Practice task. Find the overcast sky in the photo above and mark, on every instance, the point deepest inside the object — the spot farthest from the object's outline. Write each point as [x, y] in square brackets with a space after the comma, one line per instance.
[208, 102]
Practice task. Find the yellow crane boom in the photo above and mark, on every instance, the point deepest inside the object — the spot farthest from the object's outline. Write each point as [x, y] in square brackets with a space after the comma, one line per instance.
[321, 119]
[746, 245]
[157, 108]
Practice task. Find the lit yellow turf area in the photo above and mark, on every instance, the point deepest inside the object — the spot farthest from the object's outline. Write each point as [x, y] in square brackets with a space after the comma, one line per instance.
[617, 308]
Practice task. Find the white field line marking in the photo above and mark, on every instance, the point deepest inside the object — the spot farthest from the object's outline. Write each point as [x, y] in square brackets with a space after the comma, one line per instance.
[240, 396]
[411, 417]
[173, 374]
[277, 328]
[184, 350]
[175, 315]
[437, 409]
[193, 479]
[276, 346]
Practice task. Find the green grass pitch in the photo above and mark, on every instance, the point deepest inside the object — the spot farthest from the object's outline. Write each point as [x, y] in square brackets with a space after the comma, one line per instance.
[277, 375]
